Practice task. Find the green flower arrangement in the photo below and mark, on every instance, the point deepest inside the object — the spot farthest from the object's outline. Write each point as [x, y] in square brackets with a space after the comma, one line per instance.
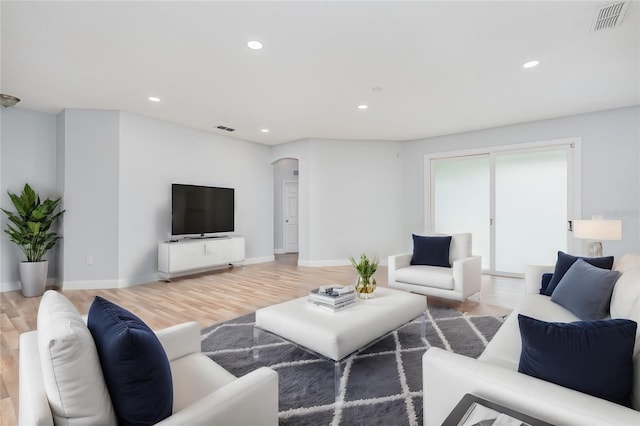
[366, 267]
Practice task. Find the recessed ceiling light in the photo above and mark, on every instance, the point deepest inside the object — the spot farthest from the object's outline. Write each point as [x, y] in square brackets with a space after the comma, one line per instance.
[255, 45]
[530, 64]
[363, 106]
[154, 99]
[264, 130]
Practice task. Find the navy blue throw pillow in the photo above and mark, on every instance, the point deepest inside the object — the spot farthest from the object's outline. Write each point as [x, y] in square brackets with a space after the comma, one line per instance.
[134, 364]
[566, 260]
[593, 357]
[546, 279]
[431, 250]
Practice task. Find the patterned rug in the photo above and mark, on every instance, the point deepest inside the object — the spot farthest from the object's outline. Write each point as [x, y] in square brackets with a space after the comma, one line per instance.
[380, 386]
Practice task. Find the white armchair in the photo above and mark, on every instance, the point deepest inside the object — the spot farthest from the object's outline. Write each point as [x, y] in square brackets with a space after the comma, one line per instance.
[458, 282]
[203, 392]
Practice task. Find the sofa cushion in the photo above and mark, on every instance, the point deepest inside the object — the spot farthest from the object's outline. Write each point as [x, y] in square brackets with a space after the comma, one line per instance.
[594, 357]
[135, 365]
[71, 370]
[460, 247]
[194, 377]
[430, 276]
[505, 347]
[586, 290]
[625, 299]
[431, 250]
[565, 261]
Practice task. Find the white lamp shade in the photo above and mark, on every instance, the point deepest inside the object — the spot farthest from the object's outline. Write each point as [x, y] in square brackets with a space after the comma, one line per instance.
[598, 229]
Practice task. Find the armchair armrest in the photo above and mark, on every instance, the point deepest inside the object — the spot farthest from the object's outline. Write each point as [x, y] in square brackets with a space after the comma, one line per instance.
[467, 275]
[180, 340]
[396, 262]
[33, 403]
[249, 400]
[448, 376]
[533, 277]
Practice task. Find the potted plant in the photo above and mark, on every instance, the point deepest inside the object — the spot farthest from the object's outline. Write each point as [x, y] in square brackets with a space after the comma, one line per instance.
[366, 283]
[30, 229]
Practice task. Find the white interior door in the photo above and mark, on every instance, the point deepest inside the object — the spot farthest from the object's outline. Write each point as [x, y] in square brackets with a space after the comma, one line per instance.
[290, 217]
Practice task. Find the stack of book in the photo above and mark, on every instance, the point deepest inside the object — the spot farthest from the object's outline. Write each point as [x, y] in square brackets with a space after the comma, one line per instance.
[332, 298]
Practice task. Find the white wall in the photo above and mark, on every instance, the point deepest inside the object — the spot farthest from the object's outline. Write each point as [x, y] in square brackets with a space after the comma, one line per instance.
[155, 154]
[27, 155]
[283, 170]
[90, 182]
[350, 198]
[610, 176]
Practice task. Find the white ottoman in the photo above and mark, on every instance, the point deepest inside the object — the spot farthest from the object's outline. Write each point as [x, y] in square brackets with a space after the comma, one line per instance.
[336, 335]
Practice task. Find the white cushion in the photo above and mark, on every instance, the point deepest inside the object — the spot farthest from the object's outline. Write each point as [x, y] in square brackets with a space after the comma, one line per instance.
[626, 293]
[70, 365]
[428, 276]
[194, 377]
[460, 247]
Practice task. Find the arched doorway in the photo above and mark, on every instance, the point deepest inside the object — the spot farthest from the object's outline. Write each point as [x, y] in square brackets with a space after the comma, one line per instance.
[286, 206]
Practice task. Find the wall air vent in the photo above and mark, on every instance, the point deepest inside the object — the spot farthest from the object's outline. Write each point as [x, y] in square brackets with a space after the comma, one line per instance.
[228, 129]
[610, 16]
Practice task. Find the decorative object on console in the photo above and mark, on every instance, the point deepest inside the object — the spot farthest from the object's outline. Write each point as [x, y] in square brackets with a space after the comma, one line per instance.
[30, 229]
[366, 283]
[563, 264]
[597, 229]
[594, 357]
[134, 363]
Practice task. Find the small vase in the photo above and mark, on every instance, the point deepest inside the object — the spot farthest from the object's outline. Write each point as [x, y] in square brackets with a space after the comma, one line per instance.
[365, 286]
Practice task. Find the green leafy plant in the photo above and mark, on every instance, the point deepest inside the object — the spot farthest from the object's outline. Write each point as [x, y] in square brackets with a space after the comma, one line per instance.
[30, 226]
[366, 267]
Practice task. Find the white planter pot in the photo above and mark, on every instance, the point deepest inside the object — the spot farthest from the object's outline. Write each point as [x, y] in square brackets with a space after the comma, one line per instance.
[33, 278]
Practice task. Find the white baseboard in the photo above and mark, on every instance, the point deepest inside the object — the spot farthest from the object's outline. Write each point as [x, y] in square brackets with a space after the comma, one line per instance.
[327, 262]
[130, 282]
[89, 285]
[15, 285]
[262, 259]
[279, 251]
[10, 286]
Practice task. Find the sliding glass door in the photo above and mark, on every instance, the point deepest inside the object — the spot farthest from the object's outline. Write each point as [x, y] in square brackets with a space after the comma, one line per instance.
[461, 199]
[515, 203]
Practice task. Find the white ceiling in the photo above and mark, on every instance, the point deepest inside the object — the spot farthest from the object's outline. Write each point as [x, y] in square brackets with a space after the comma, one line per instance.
[444, 67]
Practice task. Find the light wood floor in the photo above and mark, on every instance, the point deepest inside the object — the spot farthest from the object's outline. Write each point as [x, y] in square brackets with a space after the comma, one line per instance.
[210, 298]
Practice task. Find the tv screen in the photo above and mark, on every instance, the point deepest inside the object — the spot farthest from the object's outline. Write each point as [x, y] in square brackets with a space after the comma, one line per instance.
[201, 209]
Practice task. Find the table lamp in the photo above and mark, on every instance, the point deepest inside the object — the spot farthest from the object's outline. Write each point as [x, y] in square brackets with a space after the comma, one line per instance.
[599, 230]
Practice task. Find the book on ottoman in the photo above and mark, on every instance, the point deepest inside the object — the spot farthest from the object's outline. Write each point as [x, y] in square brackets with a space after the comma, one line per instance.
[332, 298]
[332, 295]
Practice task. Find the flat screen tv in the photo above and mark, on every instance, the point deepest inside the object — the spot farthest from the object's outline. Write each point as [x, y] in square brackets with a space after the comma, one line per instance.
[201, 209]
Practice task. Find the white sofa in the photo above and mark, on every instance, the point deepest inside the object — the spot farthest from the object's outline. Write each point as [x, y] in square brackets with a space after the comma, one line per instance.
[494, 375]
[458, 282]
[203, 392]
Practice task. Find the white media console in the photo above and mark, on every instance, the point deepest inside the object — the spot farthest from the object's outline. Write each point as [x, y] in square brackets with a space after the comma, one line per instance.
[188, 256]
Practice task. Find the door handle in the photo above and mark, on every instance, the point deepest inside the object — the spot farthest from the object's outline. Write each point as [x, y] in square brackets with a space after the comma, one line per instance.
[287, 221]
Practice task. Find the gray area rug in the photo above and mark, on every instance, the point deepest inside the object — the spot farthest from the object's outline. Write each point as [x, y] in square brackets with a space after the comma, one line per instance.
[382, 385]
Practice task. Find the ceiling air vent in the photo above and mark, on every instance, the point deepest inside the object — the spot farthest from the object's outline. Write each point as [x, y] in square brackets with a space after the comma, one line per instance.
[228, 129]
[610, 16]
